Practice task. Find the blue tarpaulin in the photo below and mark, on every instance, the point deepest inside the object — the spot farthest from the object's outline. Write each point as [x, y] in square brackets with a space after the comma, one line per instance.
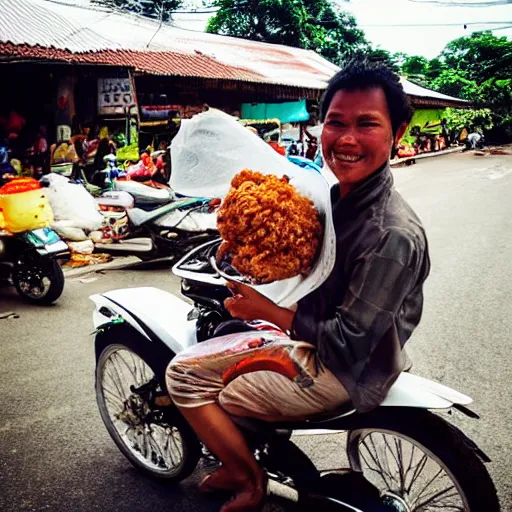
[288, 112]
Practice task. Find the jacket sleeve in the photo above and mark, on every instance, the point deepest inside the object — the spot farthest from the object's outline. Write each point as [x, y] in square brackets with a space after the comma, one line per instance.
[378, 285]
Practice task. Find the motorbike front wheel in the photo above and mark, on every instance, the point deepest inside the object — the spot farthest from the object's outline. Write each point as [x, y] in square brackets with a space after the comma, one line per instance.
[421, 463]
[39, 282]
[161, 445]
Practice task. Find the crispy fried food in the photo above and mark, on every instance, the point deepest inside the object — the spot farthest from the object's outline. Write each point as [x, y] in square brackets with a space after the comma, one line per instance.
[269, 229]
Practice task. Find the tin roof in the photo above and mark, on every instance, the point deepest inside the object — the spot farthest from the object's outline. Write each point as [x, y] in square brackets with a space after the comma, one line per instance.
[422, 95]
[83, 28]
[84, 33]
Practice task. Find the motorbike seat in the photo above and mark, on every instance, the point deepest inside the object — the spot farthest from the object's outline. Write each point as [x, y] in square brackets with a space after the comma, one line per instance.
[270, 430]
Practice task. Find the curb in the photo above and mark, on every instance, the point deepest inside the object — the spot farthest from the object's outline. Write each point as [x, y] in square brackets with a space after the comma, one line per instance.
[118, 263]
[427, 155]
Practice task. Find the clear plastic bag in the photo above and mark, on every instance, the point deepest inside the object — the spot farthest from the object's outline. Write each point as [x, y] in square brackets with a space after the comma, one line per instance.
[212, 147]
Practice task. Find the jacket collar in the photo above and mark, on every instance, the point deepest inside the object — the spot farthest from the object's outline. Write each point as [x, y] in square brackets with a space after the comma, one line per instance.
[365, 193]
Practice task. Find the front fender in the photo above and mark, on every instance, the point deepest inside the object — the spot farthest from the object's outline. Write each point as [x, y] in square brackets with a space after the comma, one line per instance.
[156, 354]
[155, 314]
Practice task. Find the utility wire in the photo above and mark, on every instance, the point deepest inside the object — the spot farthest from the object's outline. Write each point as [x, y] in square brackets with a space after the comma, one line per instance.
[437, 24]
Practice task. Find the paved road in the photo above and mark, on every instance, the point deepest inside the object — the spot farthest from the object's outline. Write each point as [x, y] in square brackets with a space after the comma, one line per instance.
[55, 454]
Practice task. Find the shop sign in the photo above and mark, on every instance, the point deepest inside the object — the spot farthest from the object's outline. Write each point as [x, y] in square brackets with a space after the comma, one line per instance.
[115, 95]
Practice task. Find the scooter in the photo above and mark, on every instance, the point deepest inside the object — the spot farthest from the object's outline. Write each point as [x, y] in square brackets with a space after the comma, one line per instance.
[171, 230]
[402, 456]
[29, 261]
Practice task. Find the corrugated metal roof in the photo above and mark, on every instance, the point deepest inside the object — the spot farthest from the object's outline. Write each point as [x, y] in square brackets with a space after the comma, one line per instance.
[121, 38]
[422, 92]
[82, 29]
[50, 24]
[158, 63]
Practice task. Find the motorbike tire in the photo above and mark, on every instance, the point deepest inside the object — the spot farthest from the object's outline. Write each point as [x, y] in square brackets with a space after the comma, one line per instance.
[190, 443]
[51, 270]
[443, 442]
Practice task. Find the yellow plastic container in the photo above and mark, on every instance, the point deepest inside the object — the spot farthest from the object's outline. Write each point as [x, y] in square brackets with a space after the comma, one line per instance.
[25, 211]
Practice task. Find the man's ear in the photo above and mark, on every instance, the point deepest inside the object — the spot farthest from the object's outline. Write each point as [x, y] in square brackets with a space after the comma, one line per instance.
[400, 133]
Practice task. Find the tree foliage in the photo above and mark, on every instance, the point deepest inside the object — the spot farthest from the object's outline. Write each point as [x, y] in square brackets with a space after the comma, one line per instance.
[477, 68]
[479, 56]
[159, 9]
[316, 25]
[479, 119]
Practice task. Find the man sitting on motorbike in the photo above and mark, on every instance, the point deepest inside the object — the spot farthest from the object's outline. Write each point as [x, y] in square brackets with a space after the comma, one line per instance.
[344, 341]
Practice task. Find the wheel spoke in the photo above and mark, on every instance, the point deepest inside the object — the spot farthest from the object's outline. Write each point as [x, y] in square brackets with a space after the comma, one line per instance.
[114, 376]
[158, 449]
[429, 483]
[445, 508]
[437, 495]
[379, 469]
[177, 445]
[408, 472]
[388, 446]
[155, 446]
[113, 399]
[167, 449]
[400, 462]
[418, 468]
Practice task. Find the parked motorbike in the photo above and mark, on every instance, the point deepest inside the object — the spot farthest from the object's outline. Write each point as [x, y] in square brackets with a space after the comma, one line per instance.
[169, 230]
[28, 260]
[403, 457]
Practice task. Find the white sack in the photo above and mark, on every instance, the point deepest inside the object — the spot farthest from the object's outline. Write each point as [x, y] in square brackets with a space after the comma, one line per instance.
[71, 202]
[85, 247]
[212, 147]
[67, 232]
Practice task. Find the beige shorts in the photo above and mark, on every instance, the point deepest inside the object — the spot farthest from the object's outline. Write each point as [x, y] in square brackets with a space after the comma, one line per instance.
[262, 374]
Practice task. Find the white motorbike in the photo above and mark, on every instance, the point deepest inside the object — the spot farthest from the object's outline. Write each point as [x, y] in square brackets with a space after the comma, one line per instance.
[402, 457]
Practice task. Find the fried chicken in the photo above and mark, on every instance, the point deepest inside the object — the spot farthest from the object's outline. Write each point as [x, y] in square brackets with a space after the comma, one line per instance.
[269, 230]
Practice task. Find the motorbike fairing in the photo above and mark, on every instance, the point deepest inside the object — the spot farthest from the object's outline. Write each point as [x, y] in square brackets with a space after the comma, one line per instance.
[413, 391]
[45, 240]
[151, 312]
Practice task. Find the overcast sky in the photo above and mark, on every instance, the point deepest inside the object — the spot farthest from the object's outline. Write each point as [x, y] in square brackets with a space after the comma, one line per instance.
[422, 40]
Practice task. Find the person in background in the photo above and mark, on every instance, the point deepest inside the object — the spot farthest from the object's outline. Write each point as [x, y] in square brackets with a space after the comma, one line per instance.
[274, 144]
[312, 143]
[293, 149]
[474, 139]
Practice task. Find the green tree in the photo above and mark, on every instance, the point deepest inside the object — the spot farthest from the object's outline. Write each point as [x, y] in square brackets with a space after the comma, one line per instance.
[434, 69]
[310, 24]
[159, 9]
[415, 65]
[380, 55]
[480, 119]
[454, 83]
[480, 56]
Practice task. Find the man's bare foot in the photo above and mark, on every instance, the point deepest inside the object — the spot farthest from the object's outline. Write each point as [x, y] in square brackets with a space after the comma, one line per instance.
[222, 480]
[250, 499]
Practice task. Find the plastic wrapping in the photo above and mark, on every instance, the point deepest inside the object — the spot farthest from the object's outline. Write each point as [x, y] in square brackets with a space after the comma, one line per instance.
[72, 203]
[212, 147]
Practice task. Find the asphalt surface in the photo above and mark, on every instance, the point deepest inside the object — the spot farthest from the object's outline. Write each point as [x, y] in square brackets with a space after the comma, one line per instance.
[56, 455]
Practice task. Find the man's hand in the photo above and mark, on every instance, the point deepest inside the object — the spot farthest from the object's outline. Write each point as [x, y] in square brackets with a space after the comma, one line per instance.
[248, 304]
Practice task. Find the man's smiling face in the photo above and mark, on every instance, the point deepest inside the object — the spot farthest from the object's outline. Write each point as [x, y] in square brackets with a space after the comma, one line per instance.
[357, 135]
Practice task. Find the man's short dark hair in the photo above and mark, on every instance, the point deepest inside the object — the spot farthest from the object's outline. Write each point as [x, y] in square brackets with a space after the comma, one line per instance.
[361, 73]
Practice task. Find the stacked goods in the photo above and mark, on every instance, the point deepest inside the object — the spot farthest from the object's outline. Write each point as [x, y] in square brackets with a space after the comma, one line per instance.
[24, 206]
